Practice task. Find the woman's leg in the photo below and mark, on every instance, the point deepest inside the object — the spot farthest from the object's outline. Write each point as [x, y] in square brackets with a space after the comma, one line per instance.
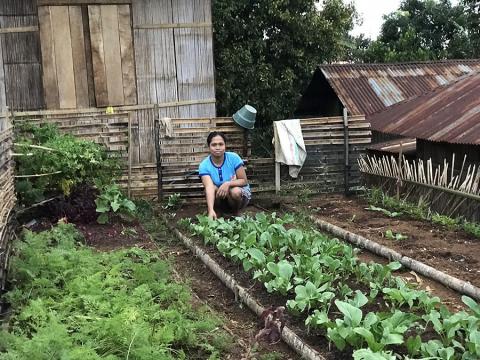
[238, 198]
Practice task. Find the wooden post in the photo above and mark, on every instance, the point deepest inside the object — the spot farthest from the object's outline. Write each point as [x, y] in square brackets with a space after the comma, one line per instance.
[158, 151]
[399, 180]
[346, 140]
[129, 155]
[277, 164]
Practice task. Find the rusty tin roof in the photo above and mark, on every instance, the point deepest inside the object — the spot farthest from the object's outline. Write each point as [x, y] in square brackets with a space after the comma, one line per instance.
[450, 113]
[370, 88]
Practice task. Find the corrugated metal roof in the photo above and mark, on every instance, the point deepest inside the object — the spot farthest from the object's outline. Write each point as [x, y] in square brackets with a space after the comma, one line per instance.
[450, 113]
[370, 88]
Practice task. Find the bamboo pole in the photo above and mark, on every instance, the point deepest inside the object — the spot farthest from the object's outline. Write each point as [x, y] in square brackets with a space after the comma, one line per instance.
[37, 175]
[36, 147]
[129, 181]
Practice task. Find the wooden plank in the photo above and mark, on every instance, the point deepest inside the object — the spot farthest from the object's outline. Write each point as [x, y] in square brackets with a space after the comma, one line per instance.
[50, 84]
[113, 57]
[19, 29]
[88, 58]
[79, 59]
[63, 56]
[174, 26]
[3, 96]
[98, 57]
[82, 2]
[126, 49]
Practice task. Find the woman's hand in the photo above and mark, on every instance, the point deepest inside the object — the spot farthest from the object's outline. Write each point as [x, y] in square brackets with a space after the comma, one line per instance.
[223, 190]
[212, 215]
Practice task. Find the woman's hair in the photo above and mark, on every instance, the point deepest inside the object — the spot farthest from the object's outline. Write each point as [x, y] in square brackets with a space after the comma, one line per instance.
[213, 134]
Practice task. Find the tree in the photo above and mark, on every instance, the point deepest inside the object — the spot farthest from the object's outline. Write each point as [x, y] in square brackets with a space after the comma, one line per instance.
[422, 30]
[266, 51]
[472, 8]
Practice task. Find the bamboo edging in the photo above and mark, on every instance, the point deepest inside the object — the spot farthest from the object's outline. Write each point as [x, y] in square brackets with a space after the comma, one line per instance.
[288, 335]
[447, 280]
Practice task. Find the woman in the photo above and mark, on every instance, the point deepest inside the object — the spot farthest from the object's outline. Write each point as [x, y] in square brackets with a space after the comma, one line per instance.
[224, 178]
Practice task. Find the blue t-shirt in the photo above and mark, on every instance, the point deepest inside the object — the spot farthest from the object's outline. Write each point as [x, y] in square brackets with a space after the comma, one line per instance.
[225, 172]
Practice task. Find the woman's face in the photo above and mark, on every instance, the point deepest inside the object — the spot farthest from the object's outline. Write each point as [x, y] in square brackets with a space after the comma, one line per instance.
[217, 146]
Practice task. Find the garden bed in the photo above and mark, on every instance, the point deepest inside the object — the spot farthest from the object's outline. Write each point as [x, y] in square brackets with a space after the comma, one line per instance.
[452, 251]
[232, 248]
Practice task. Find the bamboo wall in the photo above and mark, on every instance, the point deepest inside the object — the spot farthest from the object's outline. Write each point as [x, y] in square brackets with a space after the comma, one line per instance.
[20, 57]
[323, 170]
[174, 64]
[7, 194]
[58, 54]
[324, 167]
[111, 130]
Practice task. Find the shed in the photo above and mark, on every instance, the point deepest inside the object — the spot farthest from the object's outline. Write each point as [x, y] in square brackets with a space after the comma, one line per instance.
[365, 89]
[77, 55]
[445, 121]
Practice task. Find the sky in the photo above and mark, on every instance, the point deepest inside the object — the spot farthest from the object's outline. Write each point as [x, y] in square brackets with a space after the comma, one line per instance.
[371, 11]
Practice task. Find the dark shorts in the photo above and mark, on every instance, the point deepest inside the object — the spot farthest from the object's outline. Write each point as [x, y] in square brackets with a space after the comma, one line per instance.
[223, 206]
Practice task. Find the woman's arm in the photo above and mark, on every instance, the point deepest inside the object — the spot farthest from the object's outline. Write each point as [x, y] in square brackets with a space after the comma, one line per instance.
[240, 180]
[210, 189]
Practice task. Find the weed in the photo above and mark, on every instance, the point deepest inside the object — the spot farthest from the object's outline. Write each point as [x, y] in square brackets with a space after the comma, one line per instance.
[471, 228]
[174, 202]
[443, 220]
[389, 234]
[111, 199]
[384, 211]
[70, 162]
[419, 211]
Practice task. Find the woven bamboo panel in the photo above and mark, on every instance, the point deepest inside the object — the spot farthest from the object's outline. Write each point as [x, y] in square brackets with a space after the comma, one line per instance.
[181, 154]
[110, 130]
[324, 167]
[7, 193]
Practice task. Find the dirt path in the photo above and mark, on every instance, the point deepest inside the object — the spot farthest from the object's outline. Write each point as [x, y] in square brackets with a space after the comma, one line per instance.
[239, 322]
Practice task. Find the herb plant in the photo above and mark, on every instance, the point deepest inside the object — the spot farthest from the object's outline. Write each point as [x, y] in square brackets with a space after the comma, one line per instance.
[111, 199]
[69, 302]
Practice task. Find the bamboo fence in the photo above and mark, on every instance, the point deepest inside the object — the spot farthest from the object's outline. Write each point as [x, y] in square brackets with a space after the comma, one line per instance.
[441, 187]
[7, 194]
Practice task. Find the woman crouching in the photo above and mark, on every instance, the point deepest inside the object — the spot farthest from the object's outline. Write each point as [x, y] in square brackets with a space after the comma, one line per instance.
[224, 178]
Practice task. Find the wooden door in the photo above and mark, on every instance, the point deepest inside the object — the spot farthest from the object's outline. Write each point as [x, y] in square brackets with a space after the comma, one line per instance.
[64, 61]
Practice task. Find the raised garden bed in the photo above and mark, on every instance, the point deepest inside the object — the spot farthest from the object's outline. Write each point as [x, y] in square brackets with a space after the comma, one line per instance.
[454, 252]
[319, 323]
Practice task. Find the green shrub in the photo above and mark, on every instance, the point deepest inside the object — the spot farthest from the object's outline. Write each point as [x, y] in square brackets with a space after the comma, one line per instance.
[70, 161]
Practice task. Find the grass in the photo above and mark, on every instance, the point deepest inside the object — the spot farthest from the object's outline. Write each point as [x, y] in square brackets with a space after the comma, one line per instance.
[69, 301]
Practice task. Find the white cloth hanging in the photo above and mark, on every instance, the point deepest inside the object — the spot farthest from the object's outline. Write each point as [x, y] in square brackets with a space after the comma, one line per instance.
[166, 124]
[291, 148]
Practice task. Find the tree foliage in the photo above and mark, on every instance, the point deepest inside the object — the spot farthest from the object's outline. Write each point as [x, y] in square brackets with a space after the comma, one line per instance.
[266, 51]
[425, 30]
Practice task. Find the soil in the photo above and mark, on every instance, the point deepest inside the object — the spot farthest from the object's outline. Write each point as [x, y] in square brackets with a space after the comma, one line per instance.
[454, 252]
[115, 235]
